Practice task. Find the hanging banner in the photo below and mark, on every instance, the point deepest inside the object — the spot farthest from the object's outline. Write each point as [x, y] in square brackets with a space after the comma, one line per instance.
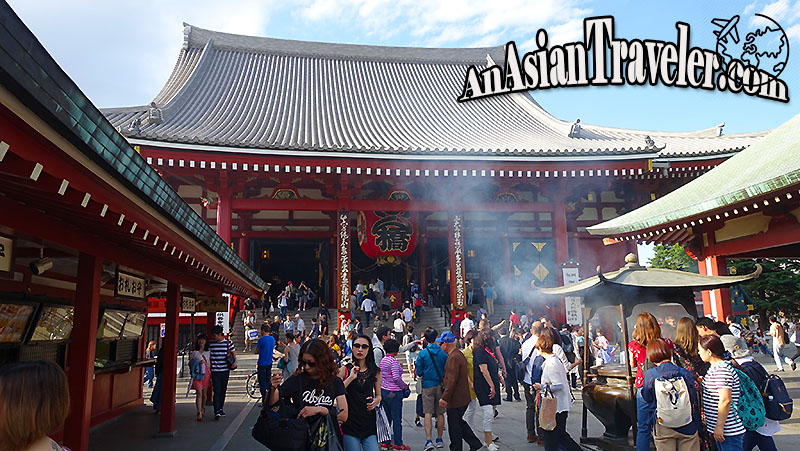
[573, 304]
[386, 233]
[458, 292]
[343, 261]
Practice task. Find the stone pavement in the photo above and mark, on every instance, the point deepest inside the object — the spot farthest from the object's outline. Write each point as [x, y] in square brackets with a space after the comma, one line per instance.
[135, 431]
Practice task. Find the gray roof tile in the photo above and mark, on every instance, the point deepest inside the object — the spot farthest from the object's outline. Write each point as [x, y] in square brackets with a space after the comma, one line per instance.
[262, 93]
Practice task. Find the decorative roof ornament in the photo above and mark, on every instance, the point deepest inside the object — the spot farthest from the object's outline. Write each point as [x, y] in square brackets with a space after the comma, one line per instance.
[154, 117]
[575, 130]
[651, 145]
[136, 125]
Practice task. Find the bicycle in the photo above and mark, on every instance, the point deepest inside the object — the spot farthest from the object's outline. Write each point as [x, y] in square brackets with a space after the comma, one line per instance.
[252, 386]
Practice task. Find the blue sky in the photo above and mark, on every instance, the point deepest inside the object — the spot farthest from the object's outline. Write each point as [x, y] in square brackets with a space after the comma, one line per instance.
[120, 53]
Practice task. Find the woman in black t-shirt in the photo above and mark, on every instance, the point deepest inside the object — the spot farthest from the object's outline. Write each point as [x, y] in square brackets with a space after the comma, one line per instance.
[486, 381]
[362, 380]
[314, 389]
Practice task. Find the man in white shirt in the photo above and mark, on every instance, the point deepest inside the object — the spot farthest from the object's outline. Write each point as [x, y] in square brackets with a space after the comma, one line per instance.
[733, 326]
[399, 327]
[408, 315]
[367, 305]
[467, 324]
[300, 327]
[529, 350]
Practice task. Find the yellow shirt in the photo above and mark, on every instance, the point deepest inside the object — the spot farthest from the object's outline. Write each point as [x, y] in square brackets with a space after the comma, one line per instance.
[468, 354]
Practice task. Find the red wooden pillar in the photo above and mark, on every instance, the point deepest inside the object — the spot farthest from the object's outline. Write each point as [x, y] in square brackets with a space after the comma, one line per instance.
[561, 254]
[244, 249]
[82, 352]
[716, 303]
[224, 215]
[169, 374]
[343, 282]
[455, 245]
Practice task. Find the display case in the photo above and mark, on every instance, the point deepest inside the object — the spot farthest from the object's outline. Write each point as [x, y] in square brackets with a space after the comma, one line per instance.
[111, 324]
[14, 322]
[134, 325]
[54, 323]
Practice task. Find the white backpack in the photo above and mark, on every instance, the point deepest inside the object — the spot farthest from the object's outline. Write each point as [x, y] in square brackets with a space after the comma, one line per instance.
[673, 407]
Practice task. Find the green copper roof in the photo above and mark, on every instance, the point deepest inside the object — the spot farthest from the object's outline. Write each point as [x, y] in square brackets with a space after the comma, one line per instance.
[31, 74]
[771, 164]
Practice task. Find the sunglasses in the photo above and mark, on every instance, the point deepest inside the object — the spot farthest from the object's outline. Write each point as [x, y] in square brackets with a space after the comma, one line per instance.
[308, 364]
[360, 346]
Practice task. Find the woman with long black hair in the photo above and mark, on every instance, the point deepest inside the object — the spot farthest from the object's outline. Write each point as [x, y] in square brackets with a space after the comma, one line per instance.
[362, 381]
[314, 390]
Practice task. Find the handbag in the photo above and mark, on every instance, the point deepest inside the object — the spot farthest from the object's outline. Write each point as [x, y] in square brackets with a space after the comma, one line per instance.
[283, 363]
[547, 409]
[382, 423]
[406, 392]
[288, 434]
[230, 359]
[323, 435]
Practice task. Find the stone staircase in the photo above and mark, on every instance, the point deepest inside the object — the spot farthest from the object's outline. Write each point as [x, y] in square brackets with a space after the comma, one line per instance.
[430, 317]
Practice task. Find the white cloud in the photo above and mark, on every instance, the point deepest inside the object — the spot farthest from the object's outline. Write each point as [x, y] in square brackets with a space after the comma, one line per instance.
[104, 45]
[452, 22]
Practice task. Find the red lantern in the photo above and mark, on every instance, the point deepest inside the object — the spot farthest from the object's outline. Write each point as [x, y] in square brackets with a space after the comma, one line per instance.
[385, 233]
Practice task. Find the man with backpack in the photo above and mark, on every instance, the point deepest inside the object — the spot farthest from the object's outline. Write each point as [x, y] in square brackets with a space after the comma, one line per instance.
[430, 365]
[777, 403]
[509, 347]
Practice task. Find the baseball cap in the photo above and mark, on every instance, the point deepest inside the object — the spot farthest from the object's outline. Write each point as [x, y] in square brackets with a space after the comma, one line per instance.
[446, 337]
[297, 315]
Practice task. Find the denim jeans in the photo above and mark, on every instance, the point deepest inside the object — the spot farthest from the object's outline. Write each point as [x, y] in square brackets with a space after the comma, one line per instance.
[731, 443]
[366, 318]
[283, 312]
[645, 433]
[360, 444]
[264, 372]
[155, 397]
[753, 439]
[392, 402]
[219, 381]
[149, 375]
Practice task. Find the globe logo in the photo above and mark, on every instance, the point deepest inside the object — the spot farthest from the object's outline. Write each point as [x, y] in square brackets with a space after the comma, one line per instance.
[757, 43]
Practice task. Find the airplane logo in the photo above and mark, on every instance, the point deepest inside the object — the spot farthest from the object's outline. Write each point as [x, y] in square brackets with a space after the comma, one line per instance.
[727, 29]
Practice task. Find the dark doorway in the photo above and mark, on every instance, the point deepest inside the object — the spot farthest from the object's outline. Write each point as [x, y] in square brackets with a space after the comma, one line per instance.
[281, 261]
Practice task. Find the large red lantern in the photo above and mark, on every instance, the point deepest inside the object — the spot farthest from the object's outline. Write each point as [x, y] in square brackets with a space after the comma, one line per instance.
[386, 233]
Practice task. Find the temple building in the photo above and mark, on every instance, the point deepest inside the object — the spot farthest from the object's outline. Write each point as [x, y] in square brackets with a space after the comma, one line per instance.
[335, 163]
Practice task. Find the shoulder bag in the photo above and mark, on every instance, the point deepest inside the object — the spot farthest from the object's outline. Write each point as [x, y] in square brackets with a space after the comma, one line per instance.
[547, 408]
[278, 432]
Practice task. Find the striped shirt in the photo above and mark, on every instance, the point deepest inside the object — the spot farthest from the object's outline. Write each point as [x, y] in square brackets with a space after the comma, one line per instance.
[219, 353]
[392, 374]
[721, 375]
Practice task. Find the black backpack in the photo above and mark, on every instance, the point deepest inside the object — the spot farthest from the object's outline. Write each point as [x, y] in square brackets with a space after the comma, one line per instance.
[777, 402]
[566, 345]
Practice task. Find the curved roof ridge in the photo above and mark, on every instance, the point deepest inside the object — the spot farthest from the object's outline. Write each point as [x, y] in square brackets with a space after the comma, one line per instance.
[179, 92]
[711, 132]
[198, 37]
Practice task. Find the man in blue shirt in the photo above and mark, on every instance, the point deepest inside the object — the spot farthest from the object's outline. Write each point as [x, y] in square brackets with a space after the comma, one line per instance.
[265, 348]
[430, 365]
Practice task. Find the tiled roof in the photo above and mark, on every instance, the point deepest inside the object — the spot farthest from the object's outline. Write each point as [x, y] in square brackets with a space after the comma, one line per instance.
[261, 93]
[771, 165]
[31, 74]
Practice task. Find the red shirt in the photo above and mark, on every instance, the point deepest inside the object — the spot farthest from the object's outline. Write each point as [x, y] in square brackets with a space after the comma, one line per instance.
[639, 356]
[514, 318]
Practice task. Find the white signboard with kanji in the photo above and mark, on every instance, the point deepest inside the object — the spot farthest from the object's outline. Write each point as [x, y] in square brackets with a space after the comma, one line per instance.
[573, 304]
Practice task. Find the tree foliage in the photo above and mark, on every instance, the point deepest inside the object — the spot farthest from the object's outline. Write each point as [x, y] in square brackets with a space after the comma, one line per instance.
[777, 289]
[672, 257]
